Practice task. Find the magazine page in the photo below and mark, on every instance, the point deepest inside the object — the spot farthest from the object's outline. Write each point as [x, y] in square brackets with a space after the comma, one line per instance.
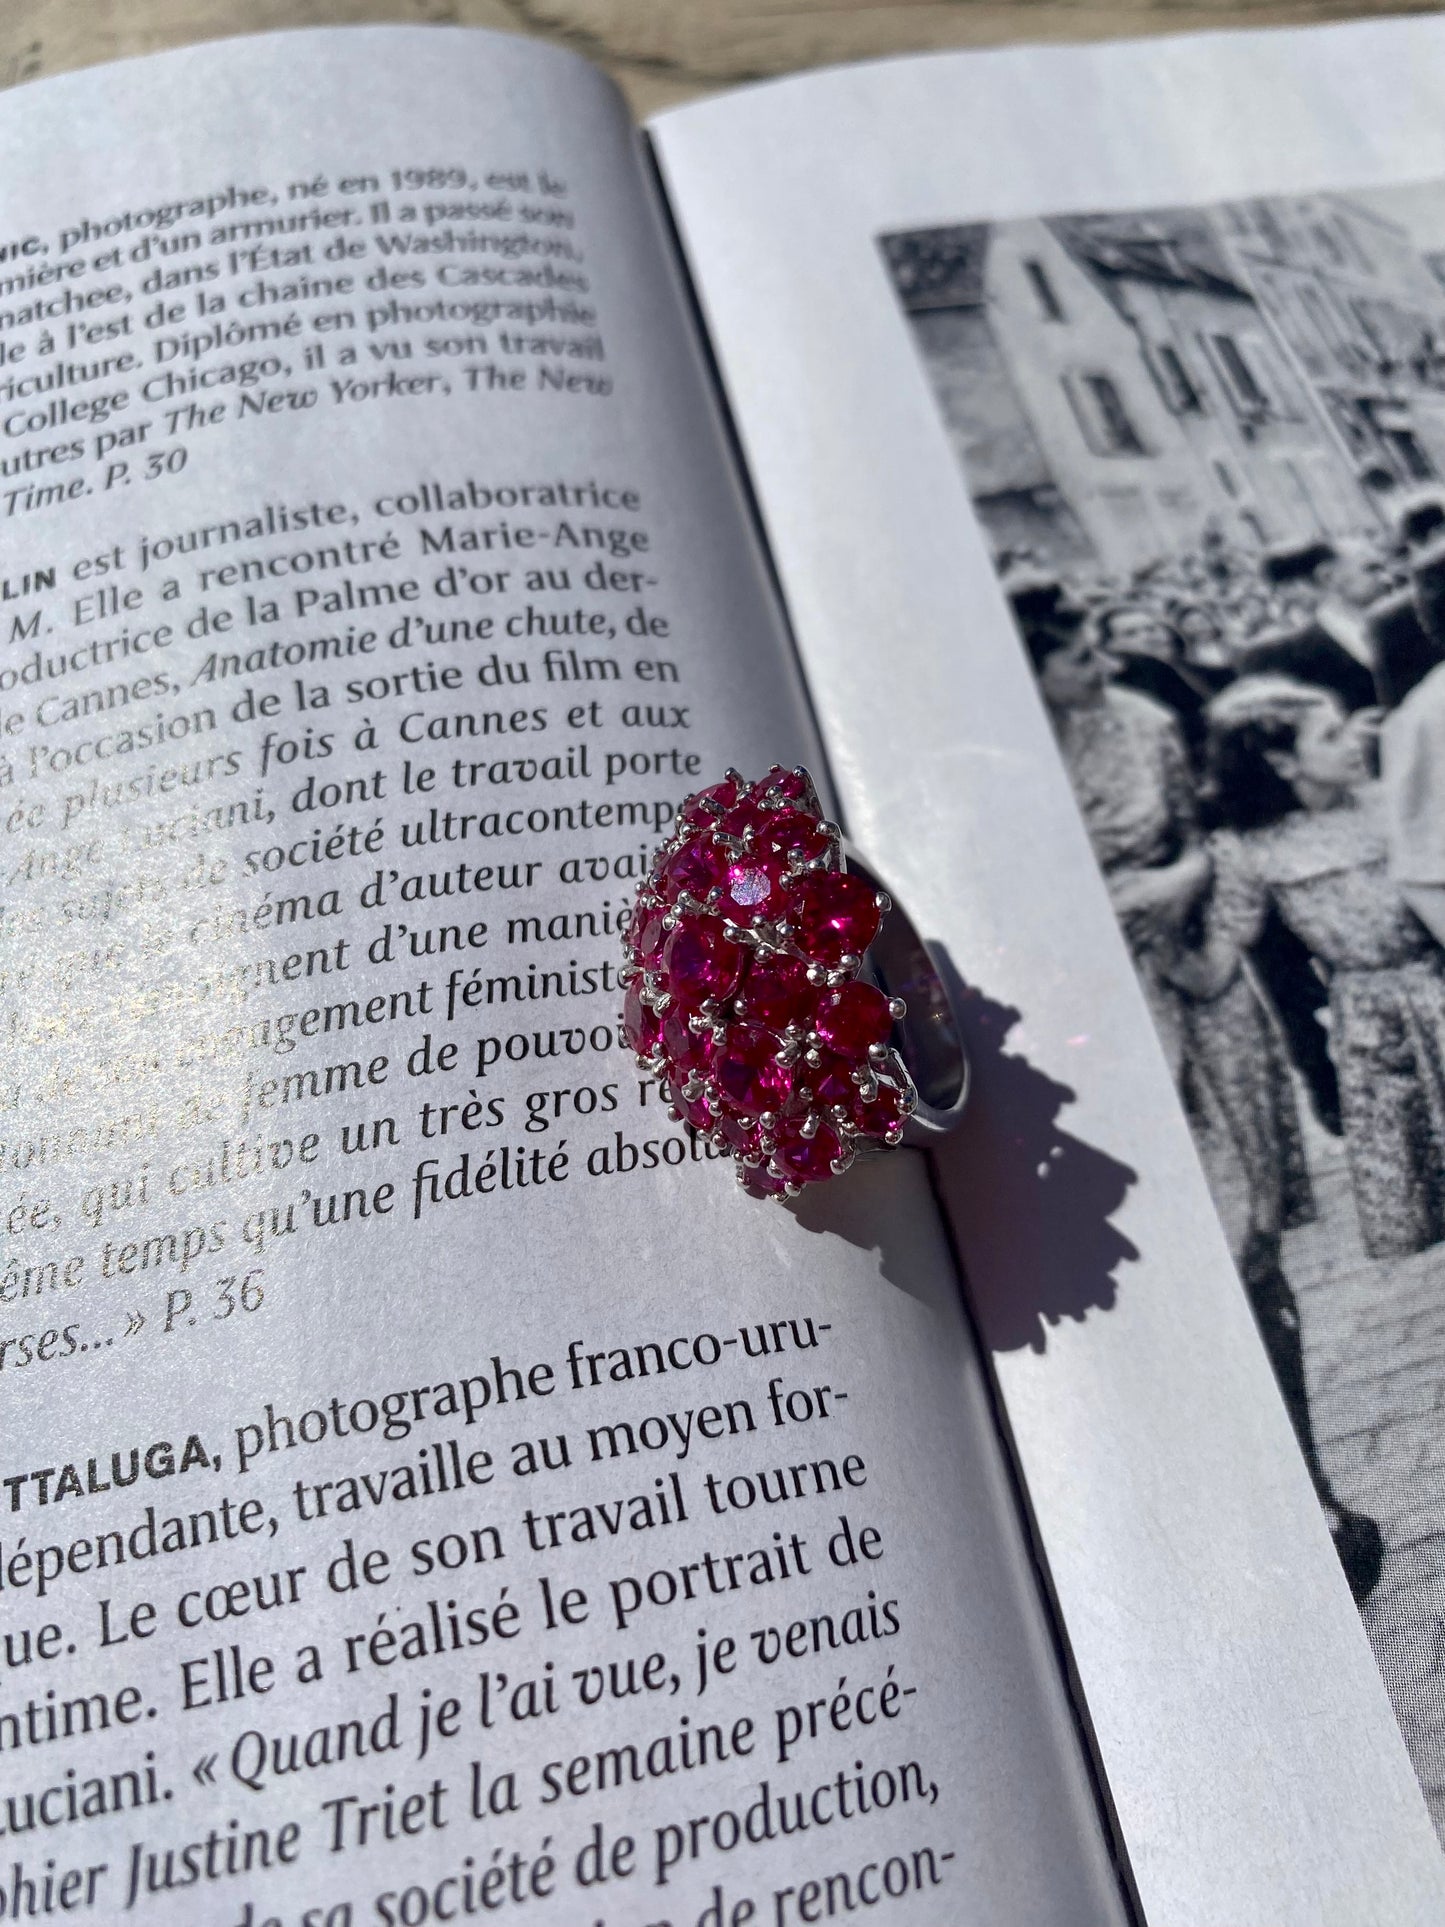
[1095, 403]
[431, 1489]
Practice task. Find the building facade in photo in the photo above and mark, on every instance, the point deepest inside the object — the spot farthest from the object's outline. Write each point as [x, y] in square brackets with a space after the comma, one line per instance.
[1115, 385]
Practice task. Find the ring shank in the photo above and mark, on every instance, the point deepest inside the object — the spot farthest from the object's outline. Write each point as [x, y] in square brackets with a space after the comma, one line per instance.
[927, 1037]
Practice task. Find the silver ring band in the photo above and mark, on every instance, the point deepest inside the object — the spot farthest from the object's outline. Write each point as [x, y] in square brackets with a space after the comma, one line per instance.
[927, 1037]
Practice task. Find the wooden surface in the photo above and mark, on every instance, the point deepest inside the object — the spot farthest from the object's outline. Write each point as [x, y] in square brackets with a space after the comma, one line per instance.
[660, 51]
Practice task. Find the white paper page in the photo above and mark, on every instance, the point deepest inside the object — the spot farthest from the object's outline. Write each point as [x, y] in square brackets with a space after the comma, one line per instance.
[370, 1337]
[1247, 1744]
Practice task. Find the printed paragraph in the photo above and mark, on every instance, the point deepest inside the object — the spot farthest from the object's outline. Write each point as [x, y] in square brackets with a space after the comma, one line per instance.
[130, 334]
[647, 1561]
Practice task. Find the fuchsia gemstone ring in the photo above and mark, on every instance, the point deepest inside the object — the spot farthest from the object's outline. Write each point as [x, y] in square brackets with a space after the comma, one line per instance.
[789, 1008]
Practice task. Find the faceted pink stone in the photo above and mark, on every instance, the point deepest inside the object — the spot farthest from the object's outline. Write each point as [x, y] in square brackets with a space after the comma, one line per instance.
[796, 833]
[833, 915]
[697, 867]
[696, 1111]
[744, 1138]
[703, 809]
[646, 938]
[687, 1049]
[833, 1089]
[701, 961]
[776, 992]
[754, 887]
[639, 1024]
[761, 1184]
[744, 1071]
[746, 818]
[882, 1118]
[807, 1160]
[832, 1084]
[852, 1018]
[782, 782]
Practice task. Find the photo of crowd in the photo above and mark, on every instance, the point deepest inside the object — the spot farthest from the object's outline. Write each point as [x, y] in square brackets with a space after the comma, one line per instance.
[1207, 448]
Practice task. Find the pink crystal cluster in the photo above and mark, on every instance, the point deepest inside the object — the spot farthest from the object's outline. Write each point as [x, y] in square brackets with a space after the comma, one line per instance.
[743, 995]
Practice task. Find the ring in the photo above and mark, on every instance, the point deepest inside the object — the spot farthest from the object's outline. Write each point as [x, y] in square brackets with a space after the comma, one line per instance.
[765, 975]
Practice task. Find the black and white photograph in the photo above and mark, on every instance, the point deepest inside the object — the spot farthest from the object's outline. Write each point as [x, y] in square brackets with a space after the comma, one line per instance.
[1206, 447]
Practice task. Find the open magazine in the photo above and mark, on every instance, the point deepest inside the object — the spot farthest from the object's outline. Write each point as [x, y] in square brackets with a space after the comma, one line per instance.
[432, 1490]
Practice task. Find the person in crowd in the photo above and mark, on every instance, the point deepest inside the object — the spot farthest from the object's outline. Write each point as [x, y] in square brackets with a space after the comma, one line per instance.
[1251, 614]
[1202, 634]
[1149, 657]
[1307, 841]
[1130, 772]
[1422, 537]
[1360, 575]
[1126, 758]
[1316, 640]
[1413, 773]
[1308, 834]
